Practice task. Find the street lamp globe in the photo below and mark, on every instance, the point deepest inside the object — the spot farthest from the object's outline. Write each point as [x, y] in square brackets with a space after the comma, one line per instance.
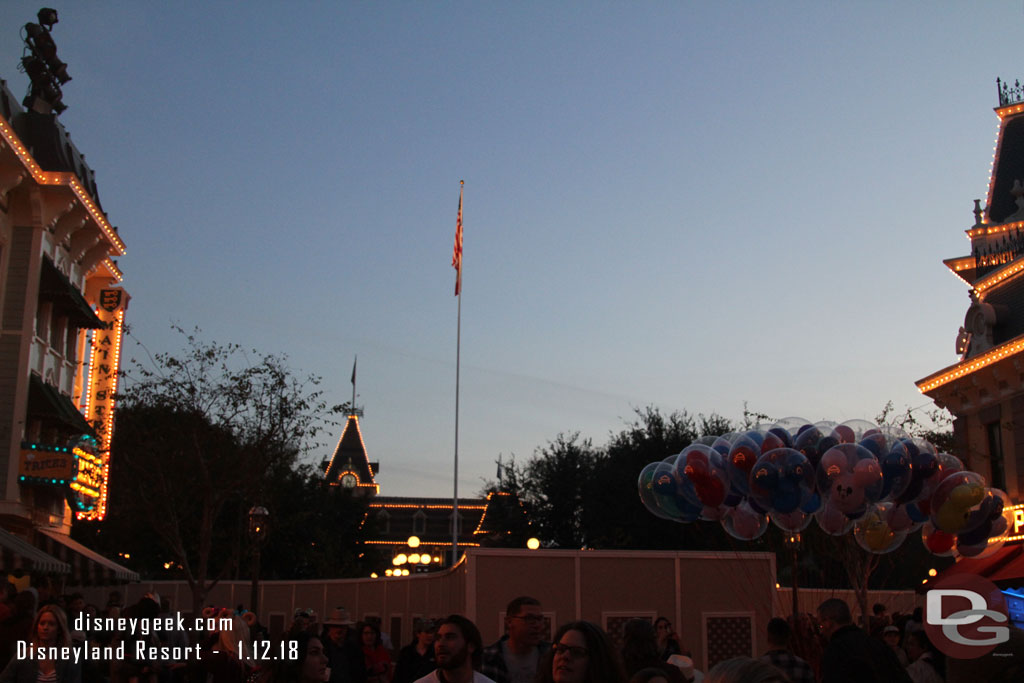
[258, 517]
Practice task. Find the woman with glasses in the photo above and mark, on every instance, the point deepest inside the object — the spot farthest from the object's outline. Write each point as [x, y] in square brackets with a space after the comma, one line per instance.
[581, 653]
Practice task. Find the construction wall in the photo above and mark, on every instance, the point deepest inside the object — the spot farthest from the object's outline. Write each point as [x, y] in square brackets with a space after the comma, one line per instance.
[718, 602]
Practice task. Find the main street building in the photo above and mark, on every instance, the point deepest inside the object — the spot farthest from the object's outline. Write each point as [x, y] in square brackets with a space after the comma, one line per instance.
[61, 315]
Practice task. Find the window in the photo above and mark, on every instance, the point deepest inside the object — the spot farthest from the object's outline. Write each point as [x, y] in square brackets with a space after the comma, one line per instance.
[43, 316]
[458, 530]
[57, 333]
[71, 347]
[994, 433]
[384, 521]
[419, 522]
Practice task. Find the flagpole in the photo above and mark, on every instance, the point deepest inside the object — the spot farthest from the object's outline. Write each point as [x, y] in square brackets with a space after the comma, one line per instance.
[458, 357]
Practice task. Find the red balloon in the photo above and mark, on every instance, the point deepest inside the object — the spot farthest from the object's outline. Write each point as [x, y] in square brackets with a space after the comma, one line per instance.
[709, 489]
[940, 542]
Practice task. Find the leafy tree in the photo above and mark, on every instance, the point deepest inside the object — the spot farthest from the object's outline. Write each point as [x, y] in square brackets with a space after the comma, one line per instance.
[196, 437]
[937, 427]
[652, 436]
[579, 495]
[556, 483]
[315, 530]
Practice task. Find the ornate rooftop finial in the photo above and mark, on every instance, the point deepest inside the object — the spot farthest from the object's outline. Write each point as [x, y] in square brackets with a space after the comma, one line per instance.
[1009, 94]
[978, 211]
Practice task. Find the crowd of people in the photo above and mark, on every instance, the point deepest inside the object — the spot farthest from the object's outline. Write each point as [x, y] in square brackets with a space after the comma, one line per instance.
[827, 646]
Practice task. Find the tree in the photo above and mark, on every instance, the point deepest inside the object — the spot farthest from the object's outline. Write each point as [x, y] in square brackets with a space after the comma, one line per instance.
[580, 495]
[316, 530]
[652, 436]
[556, 486]
[196, 436]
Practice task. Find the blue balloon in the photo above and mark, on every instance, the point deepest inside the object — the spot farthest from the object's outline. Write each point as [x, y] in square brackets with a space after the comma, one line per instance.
[808, 442]
[924, 465]
[812, 504]
[914, 512]
[741, 459]
[666, 492]
[782, 481]
[783, 435]
[897, 471]
[873, 446]
[977, 535]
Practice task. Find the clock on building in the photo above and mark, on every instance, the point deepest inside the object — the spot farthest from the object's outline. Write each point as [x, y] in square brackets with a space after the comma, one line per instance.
[348, 480]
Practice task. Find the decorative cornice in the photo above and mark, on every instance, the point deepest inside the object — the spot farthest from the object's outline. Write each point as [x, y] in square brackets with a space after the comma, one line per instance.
[69, 180]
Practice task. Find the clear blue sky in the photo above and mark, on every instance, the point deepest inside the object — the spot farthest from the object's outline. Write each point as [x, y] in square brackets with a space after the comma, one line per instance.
[687, 205]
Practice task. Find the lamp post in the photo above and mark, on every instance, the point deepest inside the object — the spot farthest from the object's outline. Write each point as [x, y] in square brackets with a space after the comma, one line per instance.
[793, 543]
[258, 517]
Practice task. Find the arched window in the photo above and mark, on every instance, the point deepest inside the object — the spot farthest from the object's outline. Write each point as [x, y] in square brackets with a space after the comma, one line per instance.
[419, 522]
[384, 521]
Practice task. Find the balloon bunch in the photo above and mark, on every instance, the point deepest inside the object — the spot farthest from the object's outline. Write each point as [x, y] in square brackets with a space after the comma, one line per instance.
[877, 481]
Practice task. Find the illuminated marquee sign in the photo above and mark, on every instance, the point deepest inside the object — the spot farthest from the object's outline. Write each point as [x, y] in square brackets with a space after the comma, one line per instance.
[45, 464]
[70, 467]
[101, 387]
[1014, 515]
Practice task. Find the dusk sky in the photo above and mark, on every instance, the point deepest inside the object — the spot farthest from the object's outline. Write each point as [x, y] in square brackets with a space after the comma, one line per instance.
[684, 205]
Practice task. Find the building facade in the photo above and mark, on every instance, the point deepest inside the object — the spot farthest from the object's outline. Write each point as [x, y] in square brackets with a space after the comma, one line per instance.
[499, 519]
[984, 389]
[61, 314]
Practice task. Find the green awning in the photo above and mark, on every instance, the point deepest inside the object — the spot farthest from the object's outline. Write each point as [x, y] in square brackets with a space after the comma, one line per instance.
[17, 555]
[54, 286]
[46, 401]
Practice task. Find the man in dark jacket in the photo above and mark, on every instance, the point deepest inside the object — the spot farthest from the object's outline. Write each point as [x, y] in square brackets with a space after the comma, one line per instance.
[852, 656]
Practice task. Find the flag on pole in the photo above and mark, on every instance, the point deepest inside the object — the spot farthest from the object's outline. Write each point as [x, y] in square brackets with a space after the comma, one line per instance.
[354, 370]
[457, 249]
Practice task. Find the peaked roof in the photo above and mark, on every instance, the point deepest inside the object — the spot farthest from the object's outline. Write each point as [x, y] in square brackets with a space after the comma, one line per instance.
[350, 456]
[505, 514]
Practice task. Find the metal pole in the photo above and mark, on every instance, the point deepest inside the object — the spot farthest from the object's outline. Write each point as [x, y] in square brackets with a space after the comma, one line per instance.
[796, 587]
[455, 495]
[458, 357]
[254, 598]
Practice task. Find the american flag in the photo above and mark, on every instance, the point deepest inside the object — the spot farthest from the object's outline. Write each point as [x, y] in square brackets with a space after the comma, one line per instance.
[457, 249]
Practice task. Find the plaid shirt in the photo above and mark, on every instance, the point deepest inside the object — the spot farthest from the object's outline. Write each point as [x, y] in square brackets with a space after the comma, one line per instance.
[796, 668]
[493, 664]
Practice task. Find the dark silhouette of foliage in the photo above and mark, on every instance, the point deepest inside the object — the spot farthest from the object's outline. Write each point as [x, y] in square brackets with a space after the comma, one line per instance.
[197, 436]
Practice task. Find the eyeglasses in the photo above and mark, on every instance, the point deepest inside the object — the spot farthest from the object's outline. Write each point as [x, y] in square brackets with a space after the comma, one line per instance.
[574, 651]
[531, 618]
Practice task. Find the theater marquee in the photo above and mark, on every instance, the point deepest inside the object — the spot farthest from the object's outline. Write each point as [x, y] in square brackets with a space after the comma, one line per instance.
[101, 385]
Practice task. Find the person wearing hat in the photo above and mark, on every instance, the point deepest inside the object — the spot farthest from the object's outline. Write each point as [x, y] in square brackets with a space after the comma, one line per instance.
[344, 655]
[891, 636]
